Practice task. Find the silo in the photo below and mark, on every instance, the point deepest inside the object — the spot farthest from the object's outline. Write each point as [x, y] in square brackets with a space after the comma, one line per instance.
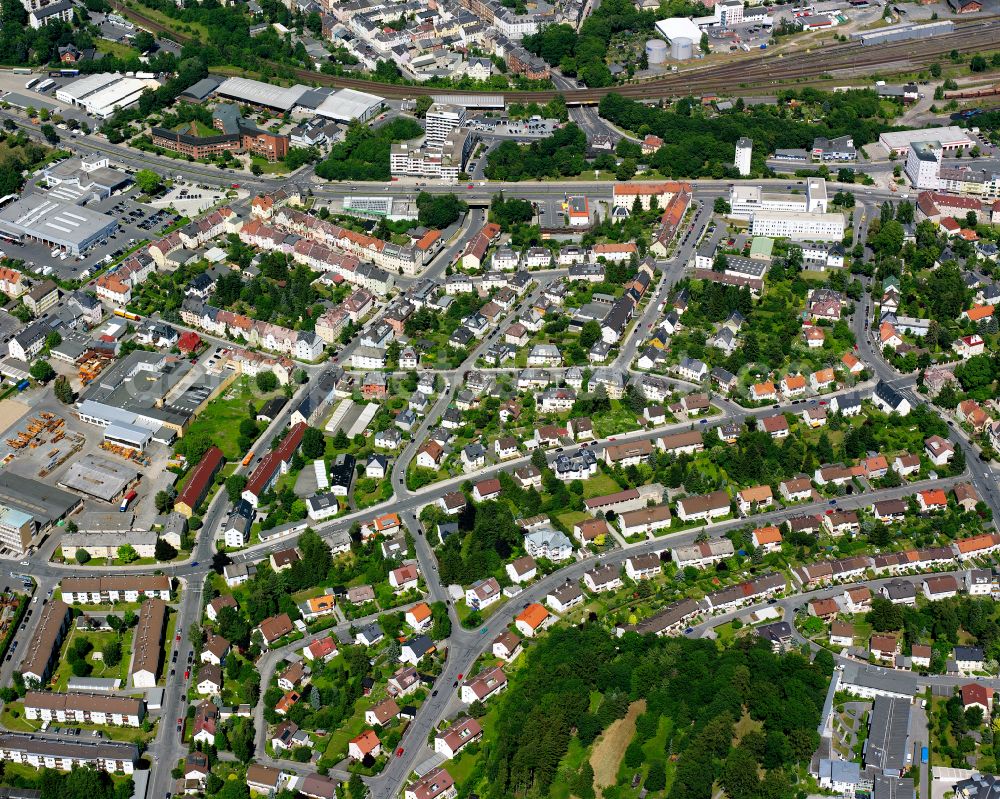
[681, 49]
[656, 51]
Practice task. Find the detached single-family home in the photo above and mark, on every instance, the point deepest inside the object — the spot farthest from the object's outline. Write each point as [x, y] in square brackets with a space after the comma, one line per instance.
[530, 620]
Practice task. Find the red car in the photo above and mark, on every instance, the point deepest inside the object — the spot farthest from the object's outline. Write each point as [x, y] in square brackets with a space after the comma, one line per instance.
[187, 673]
[235, 186]
[399, 751]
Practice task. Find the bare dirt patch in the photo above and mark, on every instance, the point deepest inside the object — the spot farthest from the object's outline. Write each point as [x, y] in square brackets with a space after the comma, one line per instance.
[610, 747]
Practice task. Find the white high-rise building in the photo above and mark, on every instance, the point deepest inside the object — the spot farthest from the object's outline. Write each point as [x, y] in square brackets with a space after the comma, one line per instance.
[442, 119]
[923, 165]
[744, 151]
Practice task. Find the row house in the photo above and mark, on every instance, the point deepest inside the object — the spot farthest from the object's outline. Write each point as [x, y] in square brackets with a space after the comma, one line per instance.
[672, 620]
[116, 588]
[828, 571]
[745, 593]
[83, 708]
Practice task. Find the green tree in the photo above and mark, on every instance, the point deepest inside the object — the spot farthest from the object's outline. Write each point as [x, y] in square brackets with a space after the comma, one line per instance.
[313, 443]
[63, 390]
[266, 381]
[82, 556]
[164, 550]
[423, 102]
[147, 180]
[164, 501]
[355, 787]
[42, 371]
[111, 652]
[235, 484]
[127, 553]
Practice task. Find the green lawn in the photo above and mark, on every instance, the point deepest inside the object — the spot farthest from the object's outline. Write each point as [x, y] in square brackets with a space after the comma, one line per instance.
[97, 640]
[222, 416]
[13, 719]
[599, 485]
[115, 48]
[270, 167]
[336, 749]
[571, 517]
[617, 420]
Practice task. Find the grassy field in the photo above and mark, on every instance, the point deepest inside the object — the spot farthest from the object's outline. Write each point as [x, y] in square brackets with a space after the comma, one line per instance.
[270, 167]
[115, 48]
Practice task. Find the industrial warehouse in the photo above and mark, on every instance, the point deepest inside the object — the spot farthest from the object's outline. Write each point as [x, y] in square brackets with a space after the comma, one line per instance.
[55, 224]
[103, 94]
[343, 105]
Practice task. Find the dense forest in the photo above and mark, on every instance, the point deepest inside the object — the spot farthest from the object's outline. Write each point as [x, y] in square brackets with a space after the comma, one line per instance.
[701, 146]
[742, 717]
[364, 154]
[283, 293]
[563, 154]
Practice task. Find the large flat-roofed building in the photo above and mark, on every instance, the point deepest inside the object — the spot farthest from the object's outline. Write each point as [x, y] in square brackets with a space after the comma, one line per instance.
[950, 138]
[745, 201]
[148, 643]
[82, 708]
[128, 399]
[16, 528]
[77, 180]
[349, 104]
[888, 735]
[73, 93]
[120, 94]
[99, 478]
[42, 752]
[262, 95]
[102, 95]
[37, 217]
[444, 159]
[44, 645]
[46, 503]
[116, 588]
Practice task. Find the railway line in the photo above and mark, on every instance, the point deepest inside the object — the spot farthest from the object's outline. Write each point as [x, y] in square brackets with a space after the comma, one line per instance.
[752, 74]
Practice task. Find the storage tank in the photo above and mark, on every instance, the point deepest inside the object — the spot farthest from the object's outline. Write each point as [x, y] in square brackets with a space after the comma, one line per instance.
[656, 51]
[681, 49]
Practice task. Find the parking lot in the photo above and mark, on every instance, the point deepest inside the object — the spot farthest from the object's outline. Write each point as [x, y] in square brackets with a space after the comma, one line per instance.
[136, 222]
[533, 128]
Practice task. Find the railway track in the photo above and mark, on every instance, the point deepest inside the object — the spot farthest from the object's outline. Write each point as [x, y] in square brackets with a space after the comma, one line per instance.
[761, 71]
